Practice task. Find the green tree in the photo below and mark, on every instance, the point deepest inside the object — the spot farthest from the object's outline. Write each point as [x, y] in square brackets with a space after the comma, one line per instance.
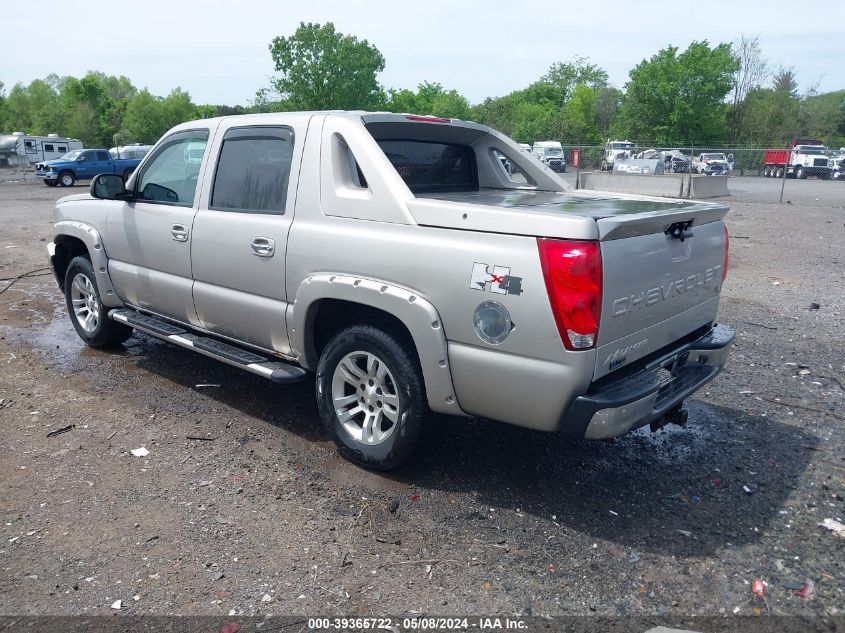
[321, 68]
[821, 116]
[579, 115]
[143, 121]
[430, 98]
[677, 98]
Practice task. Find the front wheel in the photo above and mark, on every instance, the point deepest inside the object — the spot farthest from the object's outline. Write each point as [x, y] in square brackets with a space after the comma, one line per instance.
[66, 179]
[371, 395]
[87, 313]
[51, 183]
[800, 174]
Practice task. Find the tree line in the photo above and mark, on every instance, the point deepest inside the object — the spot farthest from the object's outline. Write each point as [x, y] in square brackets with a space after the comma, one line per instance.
[722, 94]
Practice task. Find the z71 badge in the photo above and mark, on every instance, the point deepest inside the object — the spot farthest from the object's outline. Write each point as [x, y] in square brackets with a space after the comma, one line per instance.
[496, 279]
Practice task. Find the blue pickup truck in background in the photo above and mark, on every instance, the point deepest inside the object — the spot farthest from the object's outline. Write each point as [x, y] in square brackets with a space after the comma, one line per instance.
[83, 164]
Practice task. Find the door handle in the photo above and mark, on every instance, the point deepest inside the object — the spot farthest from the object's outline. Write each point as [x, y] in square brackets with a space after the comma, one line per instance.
[179, 232]
[263, 246]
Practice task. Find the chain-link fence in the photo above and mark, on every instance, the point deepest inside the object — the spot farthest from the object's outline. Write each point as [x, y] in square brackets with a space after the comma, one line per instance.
[743, 161]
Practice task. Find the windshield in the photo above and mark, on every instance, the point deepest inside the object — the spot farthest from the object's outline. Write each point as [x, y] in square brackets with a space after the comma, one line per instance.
[552, 151]
[621, 145]
[713, 157]
[71, 155]
[812, 149]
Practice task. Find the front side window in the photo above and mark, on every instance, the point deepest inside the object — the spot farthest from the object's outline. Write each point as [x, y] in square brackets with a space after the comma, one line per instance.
[430, 166]
[253, 170]
[171, 174]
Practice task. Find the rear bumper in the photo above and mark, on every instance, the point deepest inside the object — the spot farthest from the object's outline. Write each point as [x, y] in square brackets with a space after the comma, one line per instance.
[650, 394]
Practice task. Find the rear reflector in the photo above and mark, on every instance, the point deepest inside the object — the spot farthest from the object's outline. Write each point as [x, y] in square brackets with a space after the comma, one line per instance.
[727, 249]
[572, 271]
[426, 119]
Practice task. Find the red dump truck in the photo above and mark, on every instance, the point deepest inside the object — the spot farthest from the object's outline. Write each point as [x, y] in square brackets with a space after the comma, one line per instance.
[807, 157]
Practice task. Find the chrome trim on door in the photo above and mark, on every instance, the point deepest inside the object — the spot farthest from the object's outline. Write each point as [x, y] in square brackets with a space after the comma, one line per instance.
[263, 246]
[179, 232]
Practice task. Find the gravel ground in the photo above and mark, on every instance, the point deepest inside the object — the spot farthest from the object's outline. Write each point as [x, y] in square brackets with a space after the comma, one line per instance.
[259, 515]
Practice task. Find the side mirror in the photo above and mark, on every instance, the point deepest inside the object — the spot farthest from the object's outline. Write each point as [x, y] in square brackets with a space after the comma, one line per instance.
[109, 187]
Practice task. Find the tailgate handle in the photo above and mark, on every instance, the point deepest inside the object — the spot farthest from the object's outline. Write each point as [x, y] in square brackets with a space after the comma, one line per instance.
[679, 230]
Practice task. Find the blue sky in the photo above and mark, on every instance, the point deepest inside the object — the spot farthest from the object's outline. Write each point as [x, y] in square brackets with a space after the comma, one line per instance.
[217, 50]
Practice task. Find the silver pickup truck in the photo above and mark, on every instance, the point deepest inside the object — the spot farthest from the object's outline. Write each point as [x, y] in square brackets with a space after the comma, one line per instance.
[396, 261]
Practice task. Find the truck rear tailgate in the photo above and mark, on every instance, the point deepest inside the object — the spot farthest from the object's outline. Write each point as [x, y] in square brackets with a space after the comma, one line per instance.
[657, 289]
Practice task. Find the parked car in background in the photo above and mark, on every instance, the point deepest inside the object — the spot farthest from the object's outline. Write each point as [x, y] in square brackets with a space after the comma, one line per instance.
[613, 151]
[674, 160]
[388, 258]
[838, 158]
[83, 165]
[712, 164]
[550, 153]
[525, 147]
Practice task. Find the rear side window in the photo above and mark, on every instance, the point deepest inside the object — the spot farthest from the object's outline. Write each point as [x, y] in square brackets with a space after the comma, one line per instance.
[428, 166]
[253, 170]
[102, 156]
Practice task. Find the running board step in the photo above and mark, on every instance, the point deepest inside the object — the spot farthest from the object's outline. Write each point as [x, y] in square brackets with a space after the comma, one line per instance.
[275, 370]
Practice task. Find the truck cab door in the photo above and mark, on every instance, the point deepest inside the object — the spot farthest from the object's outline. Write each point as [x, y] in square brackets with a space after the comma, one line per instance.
[241, 230]
[148, 239]
[87, 165]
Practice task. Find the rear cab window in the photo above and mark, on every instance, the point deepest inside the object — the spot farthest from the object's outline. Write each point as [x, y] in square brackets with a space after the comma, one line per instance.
[253, 170]
[428, 166]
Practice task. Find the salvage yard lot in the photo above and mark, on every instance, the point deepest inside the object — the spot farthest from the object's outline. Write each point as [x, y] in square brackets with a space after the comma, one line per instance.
[257, 514]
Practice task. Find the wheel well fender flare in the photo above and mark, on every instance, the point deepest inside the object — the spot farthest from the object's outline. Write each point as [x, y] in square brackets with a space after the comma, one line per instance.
[418, 315]
[93, 242]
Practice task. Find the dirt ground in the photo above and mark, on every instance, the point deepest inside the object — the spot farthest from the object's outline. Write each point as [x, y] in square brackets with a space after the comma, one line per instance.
[242, 506]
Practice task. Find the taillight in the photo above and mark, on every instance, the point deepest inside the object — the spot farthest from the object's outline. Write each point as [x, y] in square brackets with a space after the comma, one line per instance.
[572, 271]
[727, 248]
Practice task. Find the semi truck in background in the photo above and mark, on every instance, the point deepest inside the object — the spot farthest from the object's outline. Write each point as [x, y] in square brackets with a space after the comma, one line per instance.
[807, 157]
[614, 150]
[550, 153]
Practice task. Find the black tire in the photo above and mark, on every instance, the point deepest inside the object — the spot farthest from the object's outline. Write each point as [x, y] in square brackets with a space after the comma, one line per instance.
[396, 352]
[800, 174]
[51, 183]
[603, 166]
[104, 332]
[127, 174]
[67, 179]
[779, 173]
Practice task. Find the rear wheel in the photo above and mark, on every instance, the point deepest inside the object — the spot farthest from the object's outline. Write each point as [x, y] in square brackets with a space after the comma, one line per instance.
[371, 395]
[767, 172]
[66, 179]
[87, 313]
[127, 174]
[779, 172]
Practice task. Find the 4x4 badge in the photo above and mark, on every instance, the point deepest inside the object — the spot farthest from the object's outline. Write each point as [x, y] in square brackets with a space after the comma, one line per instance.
[496, 279]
